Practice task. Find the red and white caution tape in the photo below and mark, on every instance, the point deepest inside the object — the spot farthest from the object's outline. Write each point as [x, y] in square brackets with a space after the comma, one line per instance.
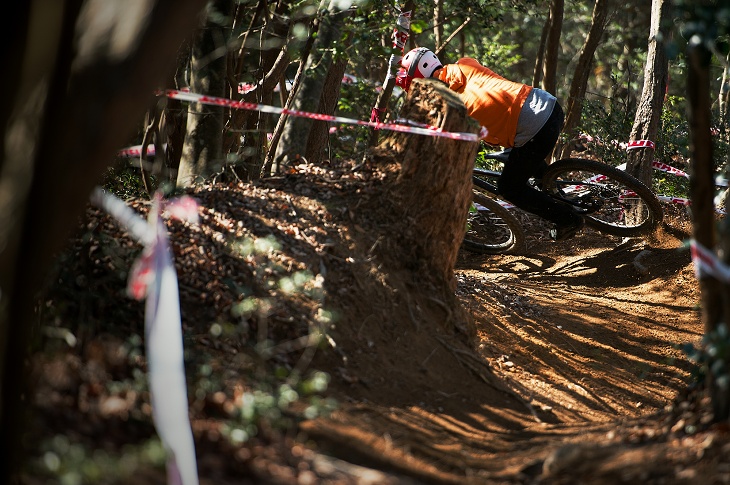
[663, 167]
[686, 202]
[229, 103]
[707, 264]
[640, 144]
[135, 151]
[153, 277]
[348, 79]
[674, 200]
[501, 202]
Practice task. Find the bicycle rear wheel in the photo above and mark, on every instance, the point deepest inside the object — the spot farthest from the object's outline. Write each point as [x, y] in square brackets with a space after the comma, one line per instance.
[491, 228]
[612, 201]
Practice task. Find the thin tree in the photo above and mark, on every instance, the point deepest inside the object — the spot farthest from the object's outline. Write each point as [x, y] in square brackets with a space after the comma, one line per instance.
[438, 22]
[723, 97]
[295, 135]
[202, 149]
[457, 32]
[540, 57]
[552, 46]
[319, 135]
[648, 113]
[268, 166]
[576, 95]
[713, 293]
[702, 26]
[400, 33]
[246, 131]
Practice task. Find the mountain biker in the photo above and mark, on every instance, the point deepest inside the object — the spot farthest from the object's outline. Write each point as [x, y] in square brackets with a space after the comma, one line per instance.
[517, 116]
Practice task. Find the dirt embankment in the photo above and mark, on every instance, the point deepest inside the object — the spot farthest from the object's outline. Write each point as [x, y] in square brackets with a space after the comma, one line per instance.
[560, 365]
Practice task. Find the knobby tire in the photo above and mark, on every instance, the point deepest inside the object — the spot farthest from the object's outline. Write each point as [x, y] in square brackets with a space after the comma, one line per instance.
[490, 220]
[610, 219]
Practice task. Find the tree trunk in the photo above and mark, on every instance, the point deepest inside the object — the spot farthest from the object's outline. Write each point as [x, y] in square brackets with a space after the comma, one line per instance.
[459, 30]
[723, 98]
[13, 41]
[540, 57]
[237, 53]
[438, 22]
[649, 112]
[319, 136]
[713, 293]
[552, 46]
[574, 105]
[240, 117]
[270, 63]
[202, 151]
[434, 184]
[270, 167]
[175, 116]
[295, 134]
[47, 177]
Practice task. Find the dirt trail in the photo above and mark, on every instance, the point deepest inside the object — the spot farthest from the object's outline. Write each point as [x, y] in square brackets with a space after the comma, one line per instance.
[560, 365]
[584, 335]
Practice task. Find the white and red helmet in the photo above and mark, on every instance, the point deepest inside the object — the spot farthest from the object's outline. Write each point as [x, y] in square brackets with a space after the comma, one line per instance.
[419, 62]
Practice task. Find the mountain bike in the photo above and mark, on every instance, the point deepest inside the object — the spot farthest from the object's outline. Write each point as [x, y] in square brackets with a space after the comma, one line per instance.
[610, 200]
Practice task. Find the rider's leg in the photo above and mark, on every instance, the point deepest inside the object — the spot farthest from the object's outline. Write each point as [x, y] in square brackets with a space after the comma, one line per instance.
[528, 161]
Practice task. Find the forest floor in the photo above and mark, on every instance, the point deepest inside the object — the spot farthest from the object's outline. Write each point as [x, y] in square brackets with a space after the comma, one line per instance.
[560, 365]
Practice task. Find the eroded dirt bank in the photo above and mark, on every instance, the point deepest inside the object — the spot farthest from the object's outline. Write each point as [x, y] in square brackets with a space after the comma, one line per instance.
[572, 374]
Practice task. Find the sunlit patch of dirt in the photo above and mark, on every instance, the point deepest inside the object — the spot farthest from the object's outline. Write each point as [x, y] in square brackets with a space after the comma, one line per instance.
[559, 365]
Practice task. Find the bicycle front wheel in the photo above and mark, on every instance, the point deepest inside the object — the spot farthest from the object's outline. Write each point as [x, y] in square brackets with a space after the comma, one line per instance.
[611, 200]
[492, 229]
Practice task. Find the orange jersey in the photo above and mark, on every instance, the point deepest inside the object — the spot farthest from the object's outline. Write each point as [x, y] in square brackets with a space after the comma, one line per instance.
[492, 100]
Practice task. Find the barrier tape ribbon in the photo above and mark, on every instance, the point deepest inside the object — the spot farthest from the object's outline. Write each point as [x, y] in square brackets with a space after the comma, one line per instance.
[640, 144]
[136, 151]
[682, 201]
[229, 103]
[719, 182]
[153, 277]
[707, 264]
[668, 169]
[663, 167]
[674, 200]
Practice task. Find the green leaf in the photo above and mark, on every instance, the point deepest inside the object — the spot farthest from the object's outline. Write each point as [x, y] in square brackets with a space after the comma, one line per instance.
[418, 26]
